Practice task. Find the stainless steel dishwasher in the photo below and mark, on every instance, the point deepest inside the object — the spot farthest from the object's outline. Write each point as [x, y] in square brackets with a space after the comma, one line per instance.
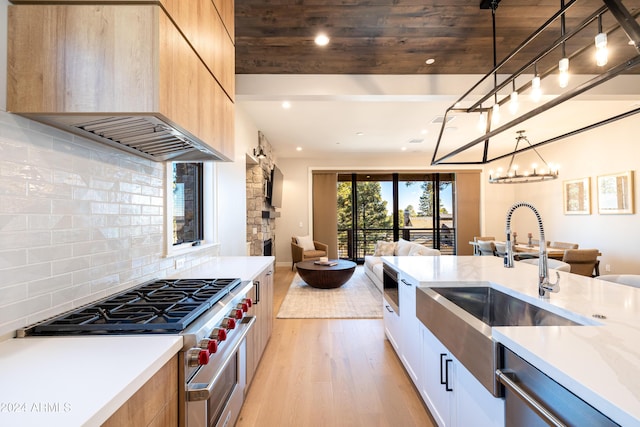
[533, 399]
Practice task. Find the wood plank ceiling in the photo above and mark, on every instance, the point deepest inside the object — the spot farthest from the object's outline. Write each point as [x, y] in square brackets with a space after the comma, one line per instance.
[397, 36]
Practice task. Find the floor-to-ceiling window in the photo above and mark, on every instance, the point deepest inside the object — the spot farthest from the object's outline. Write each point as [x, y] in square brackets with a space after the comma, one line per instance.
[387, 206]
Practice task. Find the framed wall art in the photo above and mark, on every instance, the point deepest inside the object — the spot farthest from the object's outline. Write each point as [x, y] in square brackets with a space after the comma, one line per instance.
[577, 196]
[615, 193]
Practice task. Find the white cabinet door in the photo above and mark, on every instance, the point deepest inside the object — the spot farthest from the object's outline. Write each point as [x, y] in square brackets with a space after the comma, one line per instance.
[454, 396]
[474, 404]
[436, 385]
[391, 324]
[410, 342]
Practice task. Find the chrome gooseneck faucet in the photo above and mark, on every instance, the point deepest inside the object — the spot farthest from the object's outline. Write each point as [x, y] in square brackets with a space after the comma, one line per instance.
[544, 286]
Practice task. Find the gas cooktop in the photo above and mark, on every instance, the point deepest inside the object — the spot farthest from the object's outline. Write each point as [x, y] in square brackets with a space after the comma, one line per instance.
[157, 306]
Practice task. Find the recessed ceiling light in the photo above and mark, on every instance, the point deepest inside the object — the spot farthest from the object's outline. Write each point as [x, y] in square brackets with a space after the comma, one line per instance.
[429, 61]
[359, 133]
[403, 149]
[424, 131]
[322, 39]
[416, 141]
[440, 119]
[298, 148]
[286, 105]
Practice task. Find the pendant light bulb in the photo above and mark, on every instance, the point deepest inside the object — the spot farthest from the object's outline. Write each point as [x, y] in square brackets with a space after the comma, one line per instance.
[536, 91]
[602, 53]
[495, 114]
[563, 67]
[482, 122]
[513, 102]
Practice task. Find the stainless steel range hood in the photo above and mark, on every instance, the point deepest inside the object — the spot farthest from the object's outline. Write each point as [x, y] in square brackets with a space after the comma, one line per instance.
[143, 135]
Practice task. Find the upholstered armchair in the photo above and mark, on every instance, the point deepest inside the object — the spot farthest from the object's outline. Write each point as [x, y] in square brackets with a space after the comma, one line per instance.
[306, 249]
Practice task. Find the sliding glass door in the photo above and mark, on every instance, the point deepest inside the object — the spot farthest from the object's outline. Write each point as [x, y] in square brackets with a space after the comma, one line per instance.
[389, 206]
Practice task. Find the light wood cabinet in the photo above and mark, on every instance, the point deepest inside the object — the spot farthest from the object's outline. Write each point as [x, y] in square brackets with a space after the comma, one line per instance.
[155, 404]
[67, 60]
[262, 294]
[204, 26]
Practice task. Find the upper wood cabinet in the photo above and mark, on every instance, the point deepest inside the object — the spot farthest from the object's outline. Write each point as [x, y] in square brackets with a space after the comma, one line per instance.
[68, 63]
[209, 29]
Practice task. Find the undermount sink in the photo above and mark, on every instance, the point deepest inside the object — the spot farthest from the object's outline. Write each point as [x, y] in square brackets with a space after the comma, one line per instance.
[462, 317]
[496, 308]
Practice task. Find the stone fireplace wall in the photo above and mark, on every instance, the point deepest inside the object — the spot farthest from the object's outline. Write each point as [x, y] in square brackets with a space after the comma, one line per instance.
[259, 228]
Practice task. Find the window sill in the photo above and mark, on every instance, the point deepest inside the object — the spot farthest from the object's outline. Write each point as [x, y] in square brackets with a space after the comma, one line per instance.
[187, 249]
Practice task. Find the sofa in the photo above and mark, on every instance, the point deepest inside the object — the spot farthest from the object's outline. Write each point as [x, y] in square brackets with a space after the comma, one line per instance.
[373, 263]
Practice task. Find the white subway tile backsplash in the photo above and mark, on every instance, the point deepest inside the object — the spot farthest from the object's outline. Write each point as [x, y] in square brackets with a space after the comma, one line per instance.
[49, 253]
[26, 239]
[49, 222]
[13, 222]
[24, 308]
[25, 205]
[12, 258]
[69, 265]
[12, 294]
[71, 295]
[78, 221]
[73, 235]
[49, 285]
[24, 273]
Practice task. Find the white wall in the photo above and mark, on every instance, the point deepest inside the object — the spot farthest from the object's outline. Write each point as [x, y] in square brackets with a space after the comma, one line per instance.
[605, 150]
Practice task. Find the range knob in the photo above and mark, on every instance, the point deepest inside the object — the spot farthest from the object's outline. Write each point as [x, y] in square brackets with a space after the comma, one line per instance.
[236, 314]
[228, 323]
[209, 345]
[248, 302]
[197, 357]
[243, 306]
[219, 334]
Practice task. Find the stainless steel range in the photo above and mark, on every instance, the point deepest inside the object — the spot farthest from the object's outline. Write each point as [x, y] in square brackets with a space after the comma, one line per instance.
[210, 314]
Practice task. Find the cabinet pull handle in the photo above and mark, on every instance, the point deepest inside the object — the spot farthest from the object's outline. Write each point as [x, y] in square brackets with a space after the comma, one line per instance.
[256, 283]
[405, 282]
[442, 379]
[447, 387]
[389, 309]
[509, 383]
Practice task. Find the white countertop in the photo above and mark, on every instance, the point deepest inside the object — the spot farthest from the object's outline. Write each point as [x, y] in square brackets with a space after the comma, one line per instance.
[76, 381]
[599, 363]
[244, 267]
[82, 381]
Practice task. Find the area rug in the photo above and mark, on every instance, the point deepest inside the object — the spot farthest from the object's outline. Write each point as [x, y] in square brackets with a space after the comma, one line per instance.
[356, 299]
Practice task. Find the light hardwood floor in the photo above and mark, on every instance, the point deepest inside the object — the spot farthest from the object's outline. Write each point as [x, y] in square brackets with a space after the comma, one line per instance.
[329, 372]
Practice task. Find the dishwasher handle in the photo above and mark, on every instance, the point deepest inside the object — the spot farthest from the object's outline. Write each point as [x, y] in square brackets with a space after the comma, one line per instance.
[505, 379]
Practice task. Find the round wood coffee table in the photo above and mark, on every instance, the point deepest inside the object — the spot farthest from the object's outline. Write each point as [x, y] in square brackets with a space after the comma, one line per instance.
[325, 276]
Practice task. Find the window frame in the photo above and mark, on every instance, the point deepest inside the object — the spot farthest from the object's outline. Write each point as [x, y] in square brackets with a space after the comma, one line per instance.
[208, 202]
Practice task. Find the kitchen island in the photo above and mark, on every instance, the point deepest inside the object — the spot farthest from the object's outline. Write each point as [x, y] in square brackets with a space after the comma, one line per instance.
[599, 362]
[83, 380]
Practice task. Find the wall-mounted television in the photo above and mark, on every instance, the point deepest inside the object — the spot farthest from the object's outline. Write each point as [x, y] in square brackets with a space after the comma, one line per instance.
[274, 193]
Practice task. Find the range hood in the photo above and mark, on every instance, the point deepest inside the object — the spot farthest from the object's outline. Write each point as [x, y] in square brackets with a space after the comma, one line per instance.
[144, 135]
[142, 88]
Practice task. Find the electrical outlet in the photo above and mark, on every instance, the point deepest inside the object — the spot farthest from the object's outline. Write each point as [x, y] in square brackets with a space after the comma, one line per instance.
[607, 268]
[179, 263]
